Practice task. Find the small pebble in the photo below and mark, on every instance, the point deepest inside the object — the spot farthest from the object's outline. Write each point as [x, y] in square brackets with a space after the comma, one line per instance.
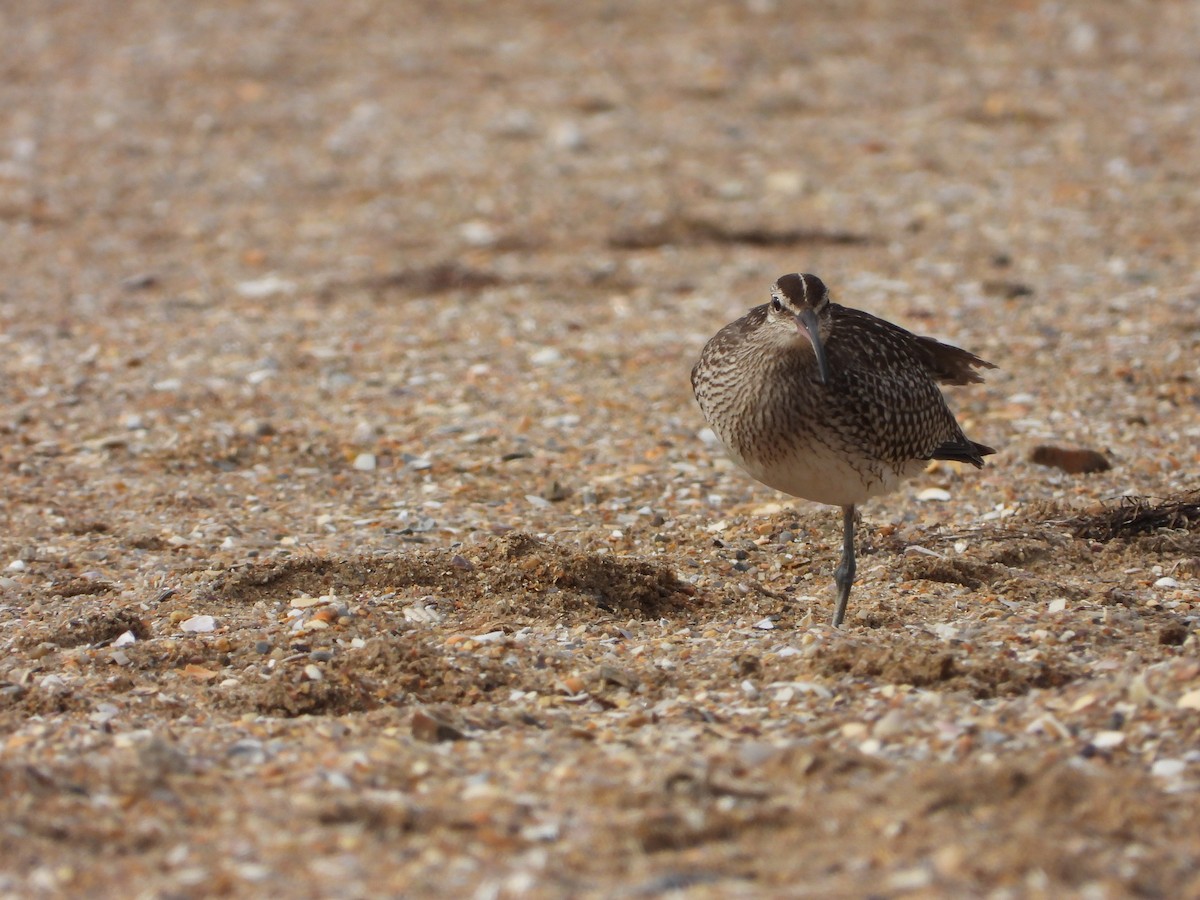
[44, 648]
[854, 729]
[304, 601]
[198, 624]
[478, 233]
[785, 181]
[1168, 768]
[917, 549]
[365, 462]
[936, 495]
[423, 613]
[104, 713]
[313, 673]
[515, 123]
[893, 722]
[1190, 700]
[568, 136]
[267, 286]
[364, 433]
[248, 750]
[1106, 740]
[915, 879]
[426, 727]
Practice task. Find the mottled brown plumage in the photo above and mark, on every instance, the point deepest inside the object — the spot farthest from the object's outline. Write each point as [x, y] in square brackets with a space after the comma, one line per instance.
[831, 404]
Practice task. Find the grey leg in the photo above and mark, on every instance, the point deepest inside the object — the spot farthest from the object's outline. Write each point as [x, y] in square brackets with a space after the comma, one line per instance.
[843, 576]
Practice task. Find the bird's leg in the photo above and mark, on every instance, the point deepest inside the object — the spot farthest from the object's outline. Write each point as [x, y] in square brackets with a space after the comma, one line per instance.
[843, 575]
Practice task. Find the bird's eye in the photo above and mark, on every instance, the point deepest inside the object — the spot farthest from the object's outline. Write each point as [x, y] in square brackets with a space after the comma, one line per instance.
[776, 304]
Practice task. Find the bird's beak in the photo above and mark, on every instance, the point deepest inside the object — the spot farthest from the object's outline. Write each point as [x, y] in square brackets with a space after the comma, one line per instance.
[809, 325]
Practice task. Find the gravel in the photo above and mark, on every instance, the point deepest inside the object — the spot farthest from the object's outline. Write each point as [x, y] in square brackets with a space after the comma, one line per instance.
[361, 536]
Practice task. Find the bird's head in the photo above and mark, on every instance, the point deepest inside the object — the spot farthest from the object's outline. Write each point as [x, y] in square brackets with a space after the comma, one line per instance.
[797, 309]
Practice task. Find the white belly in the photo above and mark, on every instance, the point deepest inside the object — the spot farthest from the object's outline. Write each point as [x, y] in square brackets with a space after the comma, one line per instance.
[820, 474]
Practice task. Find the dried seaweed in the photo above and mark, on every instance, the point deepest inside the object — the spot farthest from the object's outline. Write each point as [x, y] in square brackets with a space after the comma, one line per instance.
[1139, 515]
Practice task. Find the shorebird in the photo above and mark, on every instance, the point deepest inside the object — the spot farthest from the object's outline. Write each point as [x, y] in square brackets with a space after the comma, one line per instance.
[832, 404]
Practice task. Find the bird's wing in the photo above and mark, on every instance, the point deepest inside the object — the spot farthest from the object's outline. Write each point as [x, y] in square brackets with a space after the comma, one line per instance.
[944, 363]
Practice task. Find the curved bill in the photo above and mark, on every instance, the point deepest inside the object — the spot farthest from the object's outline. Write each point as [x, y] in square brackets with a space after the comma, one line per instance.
[810, 326]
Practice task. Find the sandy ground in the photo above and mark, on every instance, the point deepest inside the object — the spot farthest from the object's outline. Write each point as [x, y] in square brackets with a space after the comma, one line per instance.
[360, 534]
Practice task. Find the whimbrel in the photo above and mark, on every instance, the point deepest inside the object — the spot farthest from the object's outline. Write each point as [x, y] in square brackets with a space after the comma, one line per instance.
[832, 404]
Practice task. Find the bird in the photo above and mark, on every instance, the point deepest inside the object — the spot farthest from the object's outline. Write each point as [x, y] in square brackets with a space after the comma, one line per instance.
[832, 404]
